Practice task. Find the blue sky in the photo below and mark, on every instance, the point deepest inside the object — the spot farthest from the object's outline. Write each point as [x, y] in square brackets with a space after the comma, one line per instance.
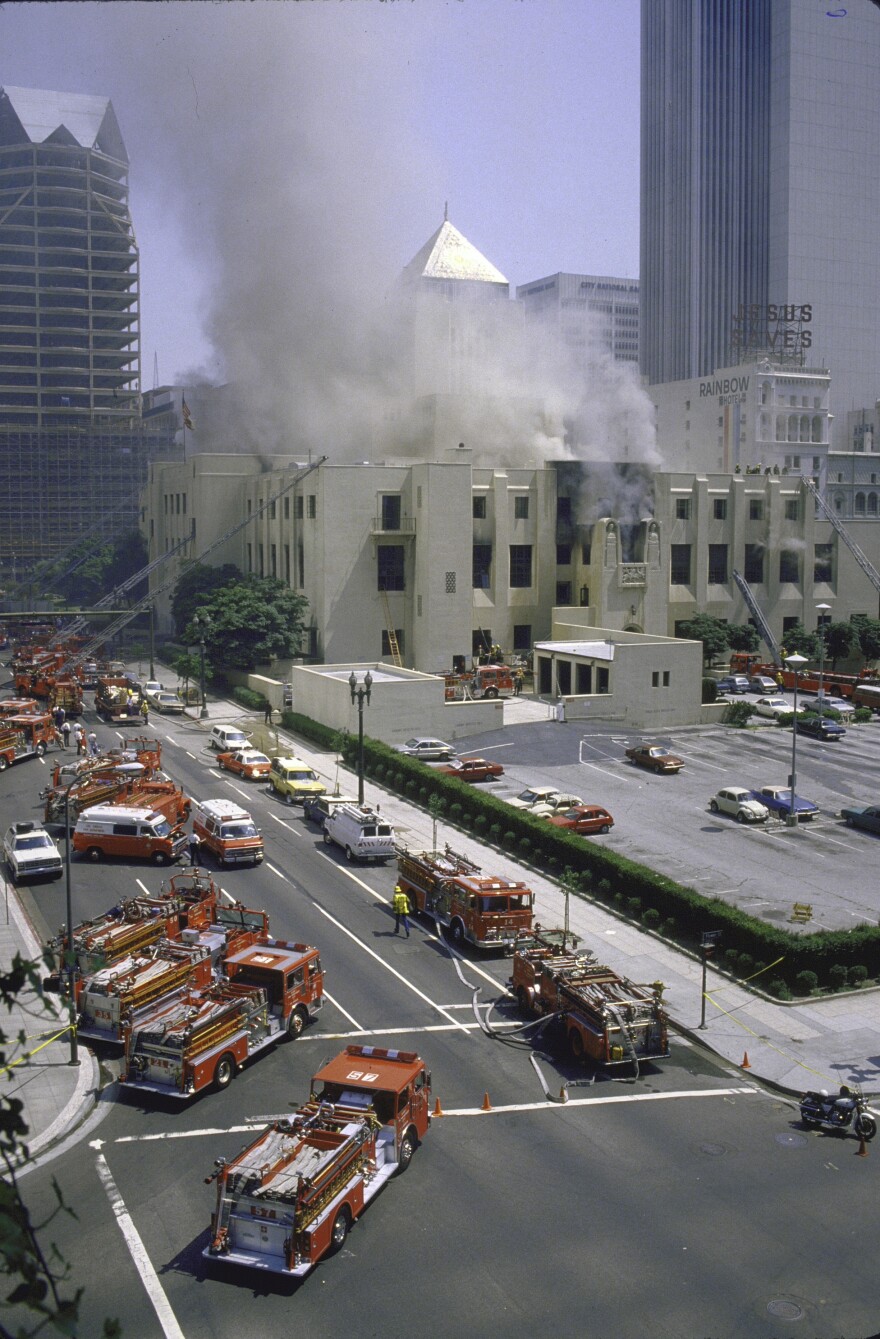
[338, 131]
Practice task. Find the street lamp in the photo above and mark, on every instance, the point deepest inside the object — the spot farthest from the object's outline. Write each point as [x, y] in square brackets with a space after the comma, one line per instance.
[821, 610]
[708, 941]
[152, 642]
[795, 663]
[71, 972]
[358, 695]
[201, 621]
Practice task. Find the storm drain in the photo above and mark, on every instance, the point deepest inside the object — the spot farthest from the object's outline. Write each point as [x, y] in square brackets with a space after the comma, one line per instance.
[783, 1308]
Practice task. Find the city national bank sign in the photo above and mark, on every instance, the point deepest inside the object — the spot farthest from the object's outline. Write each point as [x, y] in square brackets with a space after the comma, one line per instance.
[730, 390]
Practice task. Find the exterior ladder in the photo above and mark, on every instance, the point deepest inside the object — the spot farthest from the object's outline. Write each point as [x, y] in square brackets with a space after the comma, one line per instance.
[755, 610]
[396, 658]
[864, 563]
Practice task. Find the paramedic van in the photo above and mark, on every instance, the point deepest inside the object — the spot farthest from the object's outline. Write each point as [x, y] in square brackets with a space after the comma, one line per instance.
[362, 833]
[128, 831]
[228, 832]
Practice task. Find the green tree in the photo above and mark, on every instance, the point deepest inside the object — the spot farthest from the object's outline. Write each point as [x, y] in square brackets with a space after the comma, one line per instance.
[743, 637]
[841, 640]
[802, 643]
[195, 586]
[712, 632]
[96, 569]
[868, 633]
[252, 621]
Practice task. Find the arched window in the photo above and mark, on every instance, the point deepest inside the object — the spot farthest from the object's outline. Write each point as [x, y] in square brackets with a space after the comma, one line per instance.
[817, 428]
[872, 504]
[780, 427]
[860, 504]
[805, 428]
[792, 427]
[838, 503]
[765, 392]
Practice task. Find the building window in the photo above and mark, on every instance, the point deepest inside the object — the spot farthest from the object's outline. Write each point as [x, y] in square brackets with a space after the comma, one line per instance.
[298, 508]
[717, 564]
[563, 555]
[522, 637]
[666, 678]
[250, 557]
[682, 509]
[788, 566]
[272, 510]
[479, 506]
[586, 554]
[300, 566]
[563, 509]
[756, 509]
[287, 506]
[563, 592]
[419, 497]
[792, 509]
[261, 559]
[386, 642]
[823, 556]
[273, 560]
[754, 564]
[520, 564]
[860, 504]
[680, 568]
[481, 641]
[482, 566]
[521, 508]
[312, 507]
[655, 678]
[390, 567]
[790, 621]
[719, 508]
[287, 563]
[390, 511]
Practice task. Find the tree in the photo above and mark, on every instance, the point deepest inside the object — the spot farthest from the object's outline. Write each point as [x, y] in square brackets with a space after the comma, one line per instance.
[868, 633]
[252, 621]
[743, 637]
[98, 569]
[841, 640]
[712, 632]
[186, 667]
[39, 1278]
[194, 588]
[802, 643]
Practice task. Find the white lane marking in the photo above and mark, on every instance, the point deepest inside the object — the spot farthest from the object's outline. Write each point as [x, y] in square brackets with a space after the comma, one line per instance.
[143, 886]
[138, 1253]
[337, 1005]
[269, 865]
[42, 759]
[380, 897]
[190, 755]
[289, 826]
[238, 789]
[228, 896]
[387, 965]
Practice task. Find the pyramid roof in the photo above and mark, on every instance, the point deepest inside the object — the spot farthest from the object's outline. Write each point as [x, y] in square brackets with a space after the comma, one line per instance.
[449, 255]
[88, 118]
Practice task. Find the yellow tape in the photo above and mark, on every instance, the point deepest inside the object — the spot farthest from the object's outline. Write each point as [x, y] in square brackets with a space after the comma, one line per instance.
[727, 1013]
[24, 1058]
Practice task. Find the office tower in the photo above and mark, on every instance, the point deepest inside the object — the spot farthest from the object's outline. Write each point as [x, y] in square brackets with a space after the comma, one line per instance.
[593, 313]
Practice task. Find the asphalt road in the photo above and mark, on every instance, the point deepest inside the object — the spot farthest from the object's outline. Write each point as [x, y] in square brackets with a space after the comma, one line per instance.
[688, 1204]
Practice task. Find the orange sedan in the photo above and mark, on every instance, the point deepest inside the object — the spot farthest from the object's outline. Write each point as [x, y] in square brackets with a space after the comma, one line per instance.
[584, 819]
[247, 763]
[472, 769]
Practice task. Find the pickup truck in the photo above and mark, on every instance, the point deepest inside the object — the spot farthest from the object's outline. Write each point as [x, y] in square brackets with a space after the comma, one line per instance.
[778, 800]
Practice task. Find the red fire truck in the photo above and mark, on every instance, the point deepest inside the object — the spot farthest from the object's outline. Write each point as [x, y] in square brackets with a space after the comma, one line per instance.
[487, 910]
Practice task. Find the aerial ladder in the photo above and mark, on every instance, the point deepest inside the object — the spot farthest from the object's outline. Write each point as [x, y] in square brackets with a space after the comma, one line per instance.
[864, 563]
[760, 621]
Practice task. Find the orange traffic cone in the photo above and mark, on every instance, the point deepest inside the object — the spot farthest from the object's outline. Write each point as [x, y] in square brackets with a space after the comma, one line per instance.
[487, 1105]
[438, 1110]
[563, 1093]
[745, 1061]
[863, 1149]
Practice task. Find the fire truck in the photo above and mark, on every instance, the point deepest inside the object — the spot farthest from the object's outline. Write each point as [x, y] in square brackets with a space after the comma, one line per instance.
[486, 910]
[201, 1039]
[291, 1195]
[24, 737]
[66, 691]
[482, 681]
[117, 700]
[607, 1018]
[833, 683]
[18, 706]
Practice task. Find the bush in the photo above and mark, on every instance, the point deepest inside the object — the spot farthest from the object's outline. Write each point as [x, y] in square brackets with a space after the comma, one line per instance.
[858, 974]
[525, 847]
[480, 824]
[777, 987]
[806, 983]
[651, 918]
[837, 975]
[739, 714]
[710, 690]
[495, 834]
[634, 907]
[246, 697]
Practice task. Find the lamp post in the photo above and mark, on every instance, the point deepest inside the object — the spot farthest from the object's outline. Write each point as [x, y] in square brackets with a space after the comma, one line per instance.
[152, 643]
[821, 610]
[708, 940]
[200, 622]
[795, 663]
[358, 695]
[71, 992]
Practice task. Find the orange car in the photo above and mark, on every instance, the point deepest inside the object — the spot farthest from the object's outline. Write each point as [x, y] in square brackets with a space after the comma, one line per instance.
[583, 818]
[472, 769]
[247, 763]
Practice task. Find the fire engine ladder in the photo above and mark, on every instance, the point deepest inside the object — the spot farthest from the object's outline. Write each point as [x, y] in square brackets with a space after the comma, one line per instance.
[144, 603]
[864, 563]
[760, 622]
[393, 647]
[107, 601]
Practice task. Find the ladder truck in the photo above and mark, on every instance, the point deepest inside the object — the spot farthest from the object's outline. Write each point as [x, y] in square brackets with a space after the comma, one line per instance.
[291, 1195]
[486, 910]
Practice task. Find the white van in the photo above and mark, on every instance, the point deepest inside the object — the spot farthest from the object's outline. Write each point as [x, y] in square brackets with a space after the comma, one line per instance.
[362, 833]
[225, 738]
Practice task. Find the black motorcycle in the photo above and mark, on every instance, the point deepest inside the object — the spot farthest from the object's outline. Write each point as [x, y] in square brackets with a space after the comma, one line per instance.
[848, 1110]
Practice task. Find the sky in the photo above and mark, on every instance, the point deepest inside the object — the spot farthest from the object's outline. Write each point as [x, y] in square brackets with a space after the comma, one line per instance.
[272, 141]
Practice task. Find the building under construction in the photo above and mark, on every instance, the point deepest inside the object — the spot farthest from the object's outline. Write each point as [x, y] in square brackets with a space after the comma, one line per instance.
[73, 447]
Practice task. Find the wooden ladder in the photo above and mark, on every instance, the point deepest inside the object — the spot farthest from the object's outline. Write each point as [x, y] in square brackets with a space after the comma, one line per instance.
[396, 658]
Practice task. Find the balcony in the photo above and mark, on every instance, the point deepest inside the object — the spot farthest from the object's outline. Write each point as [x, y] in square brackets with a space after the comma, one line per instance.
[403, 527]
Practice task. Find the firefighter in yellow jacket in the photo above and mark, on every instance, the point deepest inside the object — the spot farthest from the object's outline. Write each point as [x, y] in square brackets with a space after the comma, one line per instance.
[400, 907]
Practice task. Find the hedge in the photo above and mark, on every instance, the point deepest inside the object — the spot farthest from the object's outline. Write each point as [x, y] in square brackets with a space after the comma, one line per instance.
[246, 697]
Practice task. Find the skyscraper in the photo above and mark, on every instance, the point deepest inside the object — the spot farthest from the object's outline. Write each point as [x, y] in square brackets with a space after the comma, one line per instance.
[761, 189]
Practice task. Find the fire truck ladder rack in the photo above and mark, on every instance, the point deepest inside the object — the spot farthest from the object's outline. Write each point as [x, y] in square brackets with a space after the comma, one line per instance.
[144, 603]
[393, 647]
[760, 622]
[864, 563]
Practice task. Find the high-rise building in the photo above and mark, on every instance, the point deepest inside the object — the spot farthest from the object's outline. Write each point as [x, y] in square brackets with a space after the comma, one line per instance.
[761, 190]
[593, 313]
[73, 447]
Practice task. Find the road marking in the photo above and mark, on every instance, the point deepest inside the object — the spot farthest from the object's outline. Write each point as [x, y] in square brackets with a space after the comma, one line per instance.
[238, 789]
[387, 965]
[190, 755]
[337, 1005]
[138, 1253]
[380, 897]
[142, 885]
[269, 865]
[289, 827]
[229, 896]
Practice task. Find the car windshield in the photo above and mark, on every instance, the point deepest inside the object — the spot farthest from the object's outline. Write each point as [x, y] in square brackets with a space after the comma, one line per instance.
[238, 830]
[301, 776]
[530, 796]
[162, 828]
[32, 843]
[254, 758]
[413, 743]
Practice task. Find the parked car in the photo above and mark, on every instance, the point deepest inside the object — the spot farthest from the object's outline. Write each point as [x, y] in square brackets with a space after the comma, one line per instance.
[318, 808]
[532, 795]
[774, 707]
[739, 803]
[778, 801]
[557, 805]
[472, 769]
[30, 853]
[733, 683]
[655, 757]
[820, 727]
[762, 683]
[426, 748]
[838, 704]
[294, 780]
[247, 763]
[583, 819]
[867, 818]
[167, 703]
[224, 738]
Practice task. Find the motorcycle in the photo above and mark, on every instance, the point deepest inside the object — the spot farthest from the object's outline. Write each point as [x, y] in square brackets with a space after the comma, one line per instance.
[848, 1109]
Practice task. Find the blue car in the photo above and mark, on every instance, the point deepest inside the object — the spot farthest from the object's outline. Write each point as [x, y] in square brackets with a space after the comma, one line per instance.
[778, 801]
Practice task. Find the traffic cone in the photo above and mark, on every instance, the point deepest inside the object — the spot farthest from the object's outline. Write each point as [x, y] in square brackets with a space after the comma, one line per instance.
[438, 1110]
[563, 1093]
[745, 1061]
[487, 1105]
[863, 1149]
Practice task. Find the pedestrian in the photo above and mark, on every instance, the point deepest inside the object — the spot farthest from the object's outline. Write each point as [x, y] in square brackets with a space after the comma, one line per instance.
[267, 714]
[80, 736]
[65, 734]
[517, 683]
[400, 907]
[59, 717]
[780, 681]
[93, 744]
[145, 711]
[195, 848]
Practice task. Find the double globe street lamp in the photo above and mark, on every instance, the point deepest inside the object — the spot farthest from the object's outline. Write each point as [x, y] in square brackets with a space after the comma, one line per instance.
[795, 663]
[359, 695]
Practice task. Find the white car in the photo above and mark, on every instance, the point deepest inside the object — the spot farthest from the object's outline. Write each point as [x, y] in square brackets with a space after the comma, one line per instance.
[31, 853]
[774, 706]
[739, 803]
[165, 702]
[838, 704]
[557, 805]
[533, 796]
[423, 747]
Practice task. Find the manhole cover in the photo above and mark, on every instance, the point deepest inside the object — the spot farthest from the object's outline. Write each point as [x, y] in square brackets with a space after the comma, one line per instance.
[713, 1150]
[784, 1309]
[791, 1140]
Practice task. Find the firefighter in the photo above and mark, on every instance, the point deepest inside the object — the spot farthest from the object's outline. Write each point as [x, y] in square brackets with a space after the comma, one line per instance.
[400, 907]
[517, 683]
[145, 710]
[65, 734]
[195, 848]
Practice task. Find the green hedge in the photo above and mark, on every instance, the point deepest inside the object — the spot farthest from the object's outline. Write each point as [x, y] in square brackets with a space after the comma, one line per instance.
[316, 733]
[246, 697]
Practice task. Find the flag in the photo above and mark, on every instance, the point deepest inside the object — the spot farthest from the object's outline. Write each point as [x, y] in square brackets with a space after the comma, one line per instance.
[187, 417]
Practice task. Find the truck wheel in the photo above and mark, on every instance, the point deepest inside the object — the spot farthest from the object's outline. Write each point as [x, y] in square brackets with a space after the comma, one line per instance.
[288, 798]
[456, 933]
[576, 1042]
[348, 854]
[339, 1231]
[491, 692]
[296, 1023]
[159, 858]
[4, 762]
[94, 853]
[225, 1071]
[406, 1151]
[41, 749]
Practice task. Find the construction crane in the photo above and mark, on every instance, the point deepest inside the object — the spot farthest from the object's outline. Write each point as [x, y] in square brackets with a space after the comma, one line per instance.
[760, 621]
[864, 563]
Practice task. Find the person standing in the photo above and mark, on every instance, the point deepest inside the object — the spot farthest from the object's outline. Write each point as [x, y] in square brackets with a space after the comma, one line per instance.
[517, 683]
[93, 744]
[145, 711]
[267, 714]
[79, 735]
[65, 734]
[195, 848]
[59, 717]
[401, 908]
